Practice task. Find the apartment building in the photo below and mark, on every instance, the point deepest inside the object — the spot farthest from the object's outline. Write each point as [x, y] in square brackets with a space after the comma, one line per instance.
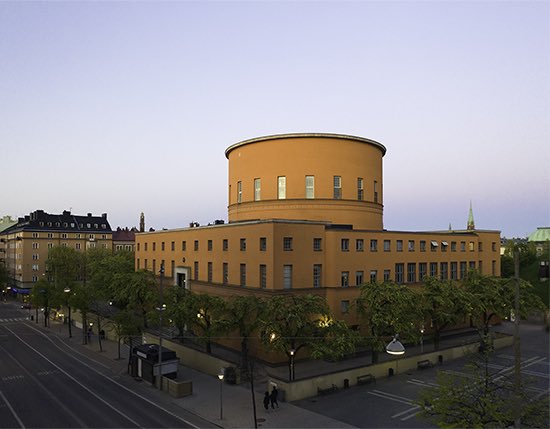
[27, 242]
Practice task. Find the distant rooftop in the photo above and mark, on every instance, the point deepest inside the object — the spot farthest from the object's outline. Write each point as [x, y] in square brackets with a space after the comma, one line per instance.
[541, 234]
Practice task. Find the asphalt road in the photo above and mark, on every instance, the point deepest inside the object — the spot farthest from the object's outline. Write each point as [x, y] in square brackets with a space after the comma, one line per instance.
[44, 383]
[390, 402]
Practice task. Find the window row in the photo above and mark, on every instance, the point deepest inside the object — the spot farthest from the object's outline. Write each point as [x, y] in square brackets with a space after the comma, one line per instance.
[441, 270]
[345, 243]
[309, 188]
[64, 235]
[71, 225]
[411, 245]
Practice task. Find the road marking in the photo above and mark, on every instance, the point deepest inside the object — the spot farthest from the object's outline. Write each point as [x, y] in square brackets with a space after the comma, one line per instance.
[12, 410]
[76, 381]
[390, 396]
[422, 383]
[416, 407]
[13, 377]
[115, 382]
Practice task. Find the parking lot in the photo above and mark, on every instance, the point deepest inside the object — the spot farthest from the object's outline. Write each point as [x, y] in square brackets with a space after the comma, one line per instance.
[389, 403]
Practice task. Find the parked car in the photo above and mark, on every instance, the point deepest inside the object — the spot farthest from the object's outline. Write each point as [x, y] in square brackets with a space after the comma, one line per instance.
[26, 305]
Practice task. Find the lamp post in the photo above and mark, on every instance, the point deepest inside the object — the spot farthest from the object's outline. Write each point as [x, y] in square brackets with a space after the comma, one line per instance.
[160, 309]
[221, 376]
[68, 290]
[422, 339]
[395, 348]
[291, 368]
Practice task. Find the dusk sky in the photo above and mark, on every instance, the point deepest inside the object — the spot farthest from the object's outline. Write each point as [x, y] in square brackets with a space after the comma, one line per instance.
[124, 107]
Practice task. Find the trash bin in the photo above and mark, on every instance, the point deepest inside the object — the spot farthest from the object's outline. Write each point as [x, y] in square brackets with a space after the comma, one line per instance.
[390, 372]
[440, 359]
[230, 375]
[346, 383]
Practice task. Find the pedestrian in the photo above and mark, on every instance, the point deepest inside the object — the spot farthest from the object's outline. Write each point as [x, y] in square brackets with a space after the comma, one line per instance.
[89, 334]
[273, 397]
[266, 401]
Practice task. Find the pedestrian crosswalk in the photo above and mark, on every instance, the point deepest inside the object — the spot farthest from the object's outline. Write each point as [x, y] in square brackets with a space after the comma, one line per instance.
[13, 319]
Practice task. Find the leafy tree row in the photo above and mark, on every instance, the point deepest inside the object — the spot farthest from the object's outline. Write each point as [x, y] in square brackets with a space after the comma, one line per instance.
[284, 322]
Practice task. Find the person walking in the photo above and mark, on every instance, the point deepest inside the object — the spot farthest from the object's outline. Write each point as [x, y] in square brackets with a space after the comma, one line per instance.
[266, 401]
[273, 397]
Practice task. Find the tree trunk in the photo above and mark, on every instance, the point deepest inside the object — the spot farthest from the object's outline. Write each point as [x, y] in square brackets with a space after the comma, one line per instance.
[437, 339]
[375, 356]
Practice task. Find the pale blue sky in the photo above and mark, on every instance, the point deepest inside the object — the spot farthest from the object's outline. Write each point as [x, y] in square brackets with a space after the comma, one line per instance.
[123, 107]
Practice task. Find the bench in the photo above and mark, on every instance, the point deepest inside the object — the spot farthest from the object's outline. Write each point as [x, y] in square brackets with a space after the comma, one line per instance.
[365, 379]
[423, 364]
[327, 390]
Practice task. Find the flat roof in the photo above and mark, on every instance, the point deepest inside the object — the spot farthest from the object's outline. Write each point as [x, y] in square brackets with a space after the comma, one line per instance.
[306, 135]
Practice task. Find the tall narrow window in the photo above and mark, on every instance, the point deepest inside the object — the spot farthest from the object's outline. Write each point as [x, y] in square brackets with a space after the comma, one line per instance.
[443, 273]
[433, 269]
[375, 189]
[281, 187]
[422, 269]
[239, 191]
[209, 272]
[225, 273]
[287, 276]
[359, 275]
[399, 268]
[310, 186]
[344, 279]
[196, 269]
[360, 189]
[411, 273]
[263, 276]
[257, 189]
[373, 276]
[317, 271]
[337, 187]
[243, 275]
[263, 244]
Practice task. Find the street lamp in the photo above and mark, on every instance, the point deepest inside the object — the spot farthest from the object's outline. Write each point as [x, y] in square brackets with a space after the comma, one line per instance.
[422, 339]
[221, 374]
[395, 348]
[160, 309]
[291, 368]
[68, 290]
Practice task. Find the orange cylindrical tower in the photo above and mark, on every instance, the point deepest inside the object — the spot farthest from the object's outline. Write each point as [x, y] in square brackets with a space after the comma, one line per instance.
[331, 178]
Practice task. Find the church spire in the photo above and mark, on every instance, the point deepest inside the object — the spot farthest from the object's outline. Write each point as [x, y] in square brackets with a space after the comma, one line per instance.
[142, 222]
[471, 225]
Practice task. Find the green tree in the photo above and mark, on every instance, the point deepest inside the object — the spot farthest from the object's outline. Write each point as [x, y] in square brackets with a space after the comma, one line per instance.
[208, 323]
[491, 298]
[479, 399]
[136, 290]
[126, 326]
[295, 322]
[3, 276]
[244, 314]
[387, 309]
[200, 314]
[443, 303]
[43, 295]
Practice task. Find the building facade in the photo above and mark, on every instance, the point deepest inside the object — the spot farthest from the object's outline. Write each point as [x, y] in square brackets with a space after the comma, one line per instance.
[306, 216]
[27, 242]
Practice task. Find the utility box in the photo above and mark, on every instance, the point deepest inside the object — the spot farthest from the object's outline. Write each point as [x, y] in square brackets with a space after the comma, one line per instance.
[145, 362]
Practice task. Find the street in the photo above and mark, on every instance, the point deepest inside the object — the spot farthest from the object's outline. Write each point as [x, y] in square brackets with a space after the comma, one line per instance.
[45, 383]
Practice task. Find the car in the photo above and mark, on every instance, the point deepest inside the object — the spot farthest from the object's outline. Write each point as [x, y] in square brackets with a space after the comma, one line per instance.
[26, 305]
